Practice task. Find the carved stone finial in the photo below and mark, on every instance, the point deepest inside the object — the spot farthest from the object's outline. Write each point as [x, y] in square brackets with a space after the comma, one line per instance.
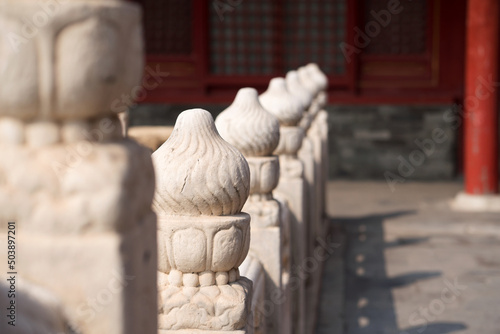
[318, 75]
[279, 102]
[313, 88]
[246, 125]
[197, 172]
[256, 132]
[308, 82]
[322, 82]
[296, 88]
[289, 111]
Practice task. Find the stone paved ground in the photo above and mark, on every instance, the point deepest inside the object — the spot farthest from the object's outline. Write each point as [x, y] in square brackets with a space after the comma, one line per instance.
[408, 264]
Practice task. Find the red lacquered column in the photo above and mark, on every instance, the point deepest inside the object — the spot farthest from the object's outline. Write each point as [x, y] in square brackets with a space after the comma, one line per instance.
[481, 101]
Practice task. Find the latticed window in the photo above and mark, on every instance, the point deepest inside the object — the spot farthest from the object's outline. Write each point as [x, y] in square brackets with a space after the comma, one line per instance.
[242, 37]
[314, 30]
[167, 26]
[262, 37]
[210, 48]
[406, 32]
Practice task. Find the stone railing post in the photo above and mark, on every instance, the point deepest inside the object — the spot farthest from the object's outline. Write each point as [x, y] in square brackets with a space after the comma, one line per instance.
[320, 132]
[202, 183]
[303, 94]
[306, 93]
[315, 80]
[288, 110]
[255, 132]
[77, 193]
[310, 153]
[314, 156]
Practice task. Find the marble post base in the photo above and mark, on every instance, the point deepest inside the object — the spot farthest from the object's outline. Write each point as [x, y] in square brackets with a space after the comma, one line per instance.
[85, 232]
[207, 308]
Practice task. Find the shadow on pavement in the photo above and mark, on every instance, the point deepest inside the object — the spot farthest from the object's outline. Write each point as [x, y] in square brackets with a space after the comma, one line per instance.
[368, 305]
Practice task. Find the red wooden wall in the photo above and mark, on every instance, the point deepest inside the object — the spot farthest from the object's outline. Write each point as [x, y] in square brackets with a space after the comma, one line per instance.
[207, 49]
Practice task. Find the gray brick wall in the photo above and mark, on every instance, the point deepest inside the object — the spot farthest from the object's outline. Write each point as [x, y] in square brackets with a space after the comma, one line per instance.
[367, 142]
[163, 114]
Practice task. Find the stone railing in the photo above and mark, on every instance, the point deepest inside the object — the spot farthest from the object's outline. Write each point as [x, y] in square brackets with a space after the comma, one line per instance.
[95, 258]
[314, 155]
[256, 133]
[202, 181]
[290, 190]
[298, 102]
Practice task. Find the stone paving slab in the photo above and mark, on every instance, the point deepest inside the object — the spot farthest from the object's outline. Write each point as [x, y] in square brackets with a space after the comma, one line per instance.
[411, 265]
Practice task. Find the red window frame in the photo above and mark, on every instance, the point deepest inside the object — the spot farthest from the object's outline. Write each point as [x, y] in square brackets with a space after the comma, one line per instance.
[435, 77]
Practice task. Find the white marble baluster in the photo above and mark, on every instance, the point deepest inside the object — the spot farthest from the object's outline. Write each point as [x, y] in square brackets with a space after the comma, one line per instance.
[202, 183]
[288, 109]
[305, 90]
[314, 157]
[256, 133]
[300, 87]
[320, 133]
[79, 193]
